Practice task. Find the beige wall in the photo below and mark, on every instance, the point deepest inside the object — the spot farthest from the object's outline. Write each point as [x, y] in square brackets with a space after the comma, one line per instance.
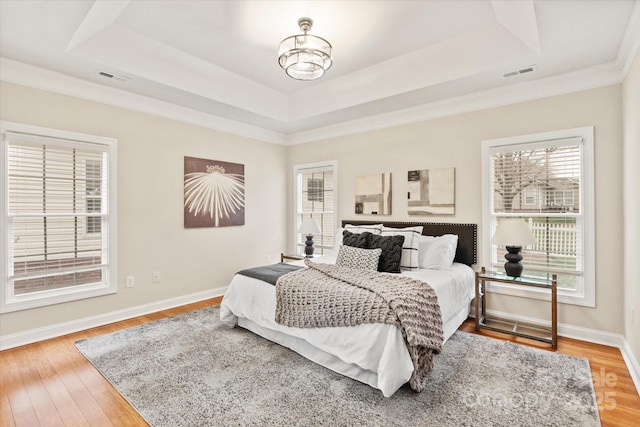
[151, 236]
[456, 140]
[150, 156]
[631, 197]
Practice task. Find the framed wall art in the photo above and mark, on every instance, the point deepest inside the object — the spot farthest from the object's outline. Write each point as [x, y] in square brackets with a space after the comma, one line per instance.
[431, 191]
[373, 194]
[213, 193]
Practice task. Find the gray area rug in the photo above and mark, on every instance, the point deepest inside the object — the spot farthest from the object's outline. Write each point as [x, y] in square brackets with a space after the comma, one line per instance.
[191, 370]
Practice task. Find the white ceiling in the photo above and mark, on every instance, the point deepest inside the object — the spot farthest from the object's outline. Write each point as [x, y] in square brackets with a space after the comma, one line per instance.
[219, 57]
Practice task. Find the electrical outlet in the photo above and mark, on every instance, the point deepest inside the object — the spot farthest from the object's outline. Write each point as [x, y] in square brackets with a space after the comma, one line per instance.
[131, 281]
[155, 277]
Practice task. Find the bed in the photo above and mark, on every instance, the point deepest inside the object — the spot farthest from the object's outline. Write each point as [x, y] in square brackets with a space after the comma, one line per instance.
[375, 354]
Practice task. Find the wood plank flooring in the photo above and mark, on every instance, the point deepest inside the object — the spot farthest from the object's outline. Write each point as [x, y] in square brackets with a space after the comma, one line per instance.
[50, 383]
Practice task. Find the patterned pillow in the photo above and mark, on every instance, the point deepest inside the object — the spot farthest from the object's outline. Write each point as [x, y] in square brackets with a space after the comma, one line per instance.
[391, 252]
[357, 240]
[361, 259]
[409, 260]
[371, 228]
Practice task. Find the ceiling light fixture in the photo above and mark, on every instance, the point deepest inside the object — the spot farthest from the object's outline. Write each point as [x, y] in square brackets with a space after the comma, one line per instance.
[303, 56]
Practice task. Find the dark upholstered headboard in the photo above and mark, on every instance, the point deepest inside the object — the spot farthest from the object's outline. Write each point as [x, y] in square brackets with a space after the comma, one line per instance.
[467, 252]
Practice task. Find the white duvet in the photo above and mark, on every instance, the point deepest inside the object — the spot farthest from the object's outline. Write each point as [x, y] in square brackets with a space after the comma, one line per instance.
[372, 353]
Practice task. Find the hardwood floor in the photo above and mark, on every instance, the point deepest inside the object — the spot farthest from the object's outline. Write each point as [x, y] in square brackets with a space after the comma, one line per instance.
[50, 383]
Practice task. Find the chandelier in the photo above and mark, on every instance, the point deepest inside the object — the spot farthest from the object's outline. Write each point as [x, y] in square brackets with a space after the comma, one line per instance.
[303, 56]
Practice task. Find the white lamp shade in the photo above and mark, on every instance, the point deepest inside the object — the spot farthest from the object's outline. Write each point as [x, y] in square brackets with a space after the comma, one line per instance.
[513, 232]
[309, 226]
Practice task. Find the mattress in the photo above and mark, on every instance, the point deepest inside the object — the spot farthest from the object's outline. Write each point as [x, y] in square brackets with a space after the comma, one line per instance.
[371, 353]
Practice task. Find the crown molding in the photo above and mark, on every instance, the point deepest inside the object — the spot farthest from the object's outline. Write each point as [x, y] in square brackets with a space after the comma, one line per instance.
[40, 78]
[28, 75]
[588, 78]
[630, 43]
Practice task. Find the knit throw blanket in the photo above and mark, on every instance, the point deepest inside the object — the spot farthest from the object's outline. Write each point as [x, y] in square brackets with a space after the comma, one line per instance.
[326, 295]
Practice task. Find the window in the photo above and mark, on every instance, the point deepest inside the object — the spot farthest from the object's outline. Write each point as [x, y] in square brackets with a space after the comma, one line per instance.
[58, 218]
[315, 197]
[531, 196]
[547, 180]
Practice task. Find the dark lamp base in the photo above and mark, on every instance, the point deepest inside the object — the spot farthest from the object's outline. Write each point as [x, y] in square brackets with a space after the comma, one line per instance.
[308, 248]
[512, 267]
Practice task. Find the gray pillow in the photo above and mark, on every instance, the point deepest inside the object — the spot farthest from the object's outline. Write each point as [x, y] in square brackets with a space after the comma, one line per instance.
[391, 252]
[357, 240]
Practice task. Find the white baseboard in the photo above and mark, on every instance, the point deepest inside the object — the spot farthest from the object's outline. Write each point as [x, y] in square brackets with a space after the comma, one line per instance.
[585, 334]
[632, 364]
[52, 331]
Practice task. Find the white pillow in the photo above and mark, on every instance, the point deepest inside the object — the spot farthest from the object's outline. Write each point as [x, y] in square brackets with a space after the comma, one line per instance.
[437, 252]
[361, 259]
[409, 259]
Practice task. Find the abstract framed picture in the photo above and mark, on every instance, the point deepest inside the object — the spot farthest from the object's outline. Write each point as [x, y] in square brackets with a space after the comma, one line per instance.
[431, 191]
[213, 193]
[373, 194]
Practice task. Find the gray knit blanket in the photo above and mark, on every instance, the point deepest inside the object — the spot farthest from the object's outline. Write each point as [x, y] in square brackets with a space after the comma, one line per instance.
[325, 295]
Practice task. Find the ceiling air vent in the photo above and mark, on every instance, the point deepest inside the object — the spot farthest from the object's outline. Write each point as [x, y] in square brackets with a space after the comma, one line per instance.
[114, 76]
[525, 70]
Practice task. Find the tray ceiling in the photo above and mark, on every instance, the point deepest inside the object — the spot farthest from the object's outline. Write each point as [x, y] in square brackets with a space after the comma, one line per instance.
[219, 57]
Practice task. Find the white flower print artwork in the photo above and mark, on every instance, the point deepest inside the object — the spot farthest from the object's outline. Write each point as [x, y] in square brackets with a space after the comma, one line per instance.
[213, 193]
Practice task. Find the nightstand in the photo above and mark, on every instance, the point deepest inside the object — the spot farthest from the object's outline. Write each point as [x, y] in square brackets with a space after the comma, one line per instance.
[293, 257]
[548, 335]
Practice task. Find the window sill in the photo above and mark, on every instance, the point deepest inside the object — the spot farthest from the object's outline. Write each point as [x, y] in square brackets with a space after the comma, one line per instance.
[26, 302]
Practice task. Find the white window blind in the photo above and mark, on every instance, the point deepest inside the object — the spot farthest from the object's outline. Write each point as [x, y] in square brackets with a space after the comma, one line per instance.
[543, 182]
[315, 198]
[93, 195]
[551, 170]
[57, 218]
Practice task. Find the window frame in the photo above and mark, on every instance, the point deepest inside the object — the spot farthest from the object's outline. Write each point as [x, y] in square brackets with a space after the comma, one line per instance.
[297, 169]
[10, 302]
[586, 295]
